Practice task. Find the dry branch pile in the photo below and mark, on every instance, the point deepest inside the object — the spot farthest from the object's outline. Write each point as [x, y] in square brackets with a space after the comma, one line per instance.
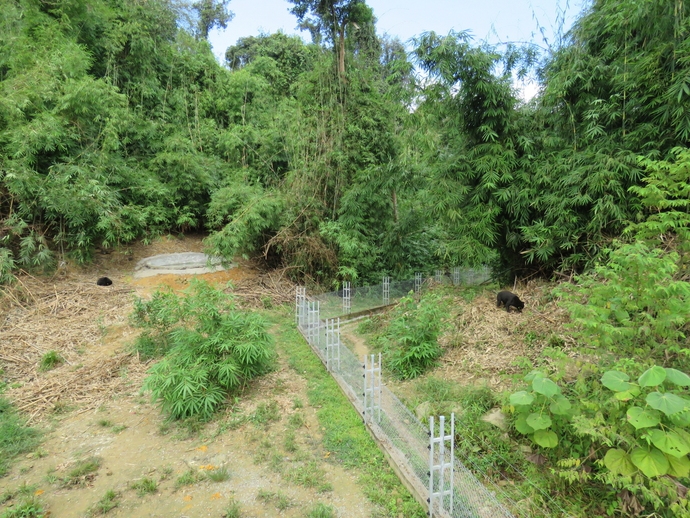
[69, 317]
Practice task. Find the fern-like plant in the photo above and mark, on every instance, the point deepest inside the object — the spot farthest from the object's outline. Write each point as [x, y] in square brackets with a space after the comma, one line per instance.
[212, 349]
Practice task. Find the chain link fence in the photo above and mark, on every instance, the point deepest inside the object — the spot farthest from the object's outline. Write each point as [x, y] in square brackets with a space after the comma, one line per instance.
[401, 435]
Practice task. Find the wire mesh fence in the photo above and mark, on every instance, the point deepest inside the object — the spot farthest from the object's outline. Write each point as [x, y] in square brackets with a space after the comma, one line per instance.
[355, 300]
[398, 431]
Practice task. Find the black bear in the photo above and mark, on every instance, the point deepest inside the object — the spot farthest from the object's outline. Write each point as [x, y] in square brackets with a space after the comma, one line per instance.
[509, 299]
[104, 281]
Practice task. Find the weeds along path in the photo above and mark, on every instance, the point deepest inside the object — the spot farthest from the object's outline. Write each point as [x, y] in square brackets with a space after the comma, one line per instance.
[105, 445]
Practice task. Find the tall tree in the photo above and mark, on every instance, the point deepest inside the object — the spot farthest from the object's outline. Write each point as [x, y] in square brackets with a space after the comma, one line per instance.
[211, 14]
[331, 19]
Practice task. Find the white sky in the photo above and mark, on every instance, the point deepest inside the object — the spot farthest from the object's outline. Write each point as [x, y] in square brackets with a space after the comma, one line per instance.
[492, 20]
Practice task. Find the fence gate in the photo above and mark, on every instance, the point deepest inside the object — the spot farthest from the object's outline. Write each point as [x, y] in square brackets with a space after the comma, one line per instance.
[333, 344]
[441, 467]
[372, 387]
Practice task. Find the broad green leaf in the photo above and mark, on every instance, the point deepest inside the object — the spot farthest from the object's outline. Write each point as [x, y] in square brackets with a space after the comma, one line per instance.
[538, 421]
[680, 419]
[560, 405]
[545, 386]
[521, 398]
[545, 438]
[641, 418]
[627, 395]
[618, 462]
[669, 442]
[534, 375]
[678, 467]
[652, 377]
[668, 403]
[616, 381]
[522, 426]
[651, 462]
[678, 378]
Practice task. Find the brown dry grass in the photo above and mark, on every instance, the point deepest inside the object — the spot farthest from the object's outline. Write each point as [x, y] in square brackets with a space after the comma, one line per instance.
[484, 343]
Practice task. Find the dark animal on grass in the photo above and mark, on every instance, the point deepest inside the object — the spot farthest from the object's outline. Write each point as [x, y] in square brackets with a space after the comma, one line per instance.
[509, 300]
[104, 281]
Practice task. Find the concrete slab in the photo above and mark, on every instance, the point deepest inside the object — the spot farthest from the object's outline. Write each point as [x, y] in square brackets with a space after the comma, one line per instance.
[187, 263]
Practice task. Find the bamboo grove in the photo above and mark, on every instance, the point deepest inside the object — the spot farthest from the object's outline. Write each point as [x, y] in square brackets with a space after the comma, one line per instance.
[347, 157]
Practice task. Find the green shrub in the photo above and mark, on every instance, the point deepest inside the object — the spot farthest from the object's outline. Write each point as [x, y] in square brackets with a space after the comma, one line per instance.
[636, 441]
[633, 305]
[212, 349]
[410, 340]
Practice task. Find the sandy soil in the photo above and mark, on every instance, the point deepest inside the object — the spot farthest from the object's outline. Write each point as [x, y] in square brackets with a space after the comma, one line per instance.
[86, 415]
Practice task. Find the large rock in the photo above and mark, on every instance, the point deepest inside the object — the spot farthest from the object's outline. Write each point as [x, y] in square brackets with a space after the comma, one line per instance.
[187, 263]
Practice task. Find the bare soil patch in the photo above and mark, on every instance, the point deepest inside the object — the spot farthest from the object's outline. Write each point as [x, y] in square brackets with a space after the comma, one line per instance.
[91, 406]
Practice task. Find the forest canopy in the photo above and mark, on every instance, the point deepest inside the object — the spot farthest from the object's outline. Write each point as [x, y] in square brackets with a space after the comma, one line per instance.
[345, 158]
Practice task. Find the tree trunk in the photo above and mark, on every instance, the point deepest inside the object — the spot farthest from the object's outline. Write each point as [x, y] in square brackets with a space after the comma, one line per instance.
[341, 52]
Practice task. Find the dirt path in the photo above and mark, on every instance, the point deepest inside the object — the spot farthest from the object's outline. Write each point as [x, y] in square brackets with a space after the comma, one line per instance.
[92, 409]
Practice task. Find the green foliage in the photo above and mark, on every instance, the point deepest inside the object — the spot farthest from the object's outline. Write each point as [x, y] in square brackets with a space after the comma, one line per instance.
[321, 511]
[108, 502]
[211, 348]
[542, 411]
[28, 507]
[410, 340]
[634, 440]
[15, 436]
[666, 198]
[633, 304]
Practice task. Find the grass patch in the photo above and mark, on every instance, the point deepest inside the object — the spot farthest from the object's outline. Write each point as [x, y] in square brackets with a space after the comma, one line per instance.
[280, 500]
[311, 475]
[110, 501]
[266, 413]
[233, 510]
[188, 478]
[145, 486]
[15, 436]
[50, 360]
[321, 511]
[219, 474]
[344, 432]
[27, 507]
[83, 473]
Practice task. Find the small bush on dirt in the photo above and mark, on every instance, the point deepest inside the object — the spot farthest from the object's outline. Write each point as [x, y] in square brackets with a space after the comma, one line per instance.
[280, 500]
[321, 511]
[145, 486]
[82, 473]
[410, 340]
[218, 475]
[188, 478]
[50, 360]
[28, 507]
[212, 348]
[233, 510]
[109, 502]
[15, 437]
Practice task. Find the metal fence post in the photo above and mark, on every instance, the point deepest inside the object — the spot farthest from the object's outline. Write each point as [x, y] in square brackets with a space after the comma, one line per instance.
[417, 282]
[372, 387]
[455, 275]
[441, 469]
[386, 291]
[333, 344]
[346, 298]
